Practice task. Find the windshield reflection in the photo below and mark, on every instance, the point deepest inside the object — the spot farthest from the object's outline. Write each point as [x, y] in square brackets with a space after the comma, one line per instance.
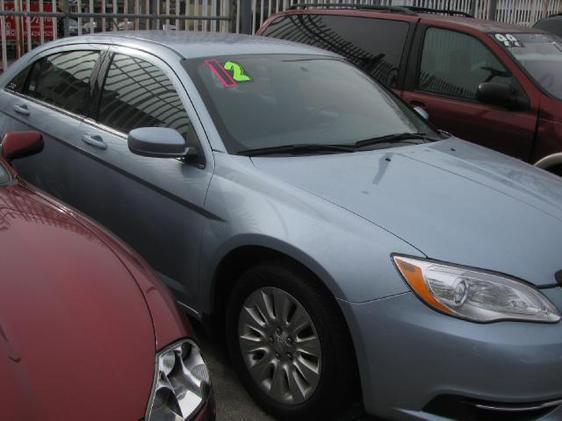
[541, 56]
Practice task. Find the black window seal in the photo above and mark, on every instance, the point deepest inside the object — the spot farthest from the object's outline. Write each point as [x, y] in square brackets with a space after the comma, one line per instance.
[103, 72]
[95, 90]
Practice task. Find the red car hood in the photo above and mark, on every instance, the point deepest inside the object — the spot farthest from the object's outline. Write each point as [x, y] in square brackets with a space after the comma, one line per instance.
[76, 335]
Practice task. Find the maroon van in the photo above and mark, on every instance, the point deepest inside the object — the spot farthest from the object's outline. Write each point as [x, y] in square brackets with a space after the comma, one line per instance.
[494, 84]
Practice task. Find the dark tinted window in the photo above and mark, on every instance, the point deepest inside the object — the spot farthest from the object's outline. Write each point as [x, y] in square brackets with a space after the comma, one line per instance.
[63, 79]
[17, 83]
[454, 64]
[375, 45]
[138, 94]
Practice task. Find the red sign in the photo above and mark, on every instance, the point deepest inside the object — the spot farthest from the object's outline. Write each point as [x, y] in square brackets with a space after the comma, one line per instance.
[35, 21]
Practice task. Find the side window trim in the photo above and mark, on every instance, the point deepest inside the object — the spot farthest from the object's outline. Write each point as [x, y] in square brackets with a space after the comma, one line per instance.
[406, 51]
[99, 84]
[413, 62]
[95, 89]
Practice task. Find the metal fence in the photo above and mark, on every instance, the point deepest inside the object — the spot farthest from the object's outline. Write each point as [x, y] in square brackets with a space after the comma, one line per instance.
[523, 12]
[25, 24]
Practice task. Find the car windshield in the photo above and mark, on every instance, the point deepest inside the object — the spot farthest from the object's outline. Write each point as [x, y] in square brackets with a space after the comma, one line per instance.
[540, 55]
[273, 100]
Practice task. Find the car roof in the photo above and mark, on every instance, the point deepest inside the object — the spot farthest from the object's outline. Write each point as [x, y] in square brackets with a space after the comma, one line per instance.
[552, 17]
[198, 44]
[480, 25]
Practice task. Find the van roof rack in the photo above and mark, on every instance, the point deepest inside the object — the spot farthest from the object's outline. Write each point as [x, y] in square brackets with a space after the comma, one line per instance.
[439, 11]
[409, 10]
[392, 9]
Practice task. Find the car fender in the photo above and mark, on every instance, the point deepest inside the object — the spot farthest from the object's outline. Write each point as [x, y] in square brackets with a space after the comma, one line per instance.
[348, 253]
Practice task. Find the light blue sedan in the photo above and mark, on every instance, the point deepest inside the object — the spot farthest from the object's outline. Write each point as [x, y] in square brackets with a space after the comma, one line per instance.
[347, 250]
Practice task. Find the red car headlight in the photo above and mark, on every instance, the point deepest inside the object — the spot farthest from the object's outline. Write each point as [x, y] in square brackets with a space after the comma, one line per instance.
[182, 384]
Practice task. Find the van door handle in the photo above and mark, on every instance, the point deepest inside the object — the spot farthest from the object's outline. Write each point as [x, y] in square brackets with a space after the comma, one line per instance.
[94, 140]
[21, 109]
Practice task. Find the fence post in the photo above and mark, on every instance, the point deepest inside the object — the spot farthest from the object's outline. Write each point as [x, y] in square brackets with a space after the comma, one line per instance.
[232, 13]
[492, 9]
[245, 16]
[65, 19]
[473, 7]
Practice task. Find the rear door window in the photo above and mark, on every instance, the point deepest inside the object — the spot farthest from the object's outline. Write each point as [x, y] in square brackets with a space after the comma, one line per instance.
[63, 80]
[137, 94]
[454, 64]
[374, 45]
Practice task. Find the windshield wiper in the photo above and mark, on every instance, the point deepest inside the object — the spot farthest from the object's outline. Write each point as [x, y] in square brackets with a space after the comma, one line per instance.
[298, 149]
[395, 138]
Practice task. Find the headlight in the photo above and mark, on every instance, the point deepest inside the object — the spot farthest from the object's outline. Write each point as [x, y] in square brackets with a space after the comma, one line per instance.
[474, 295]
[181, 386]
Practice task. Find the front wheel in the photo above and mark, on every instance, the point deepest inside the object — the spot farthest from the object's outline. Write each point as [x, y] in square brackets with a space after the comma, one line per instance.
[289, 344]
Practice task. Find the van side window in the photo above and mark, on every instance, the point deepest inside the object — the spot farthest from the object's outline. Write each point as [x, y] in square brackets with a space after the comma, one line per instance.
[374, 45]
[454, 64]
[136, 94]
[63, 79]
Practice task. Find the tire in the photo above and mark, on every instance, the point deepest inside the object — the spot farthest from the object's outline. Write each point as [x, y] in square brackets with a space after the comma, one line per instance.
[557, 169]
[288, 349]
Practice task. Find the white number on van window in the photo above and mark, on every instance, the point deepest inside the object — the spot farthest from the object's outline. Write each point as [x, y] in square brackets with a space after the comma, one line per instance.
[513, 40]
[508, 40]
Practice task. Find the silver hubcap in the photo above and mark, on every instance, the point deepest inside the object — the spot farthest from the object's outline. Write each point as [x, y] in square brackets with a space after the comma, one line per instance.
[280, 345]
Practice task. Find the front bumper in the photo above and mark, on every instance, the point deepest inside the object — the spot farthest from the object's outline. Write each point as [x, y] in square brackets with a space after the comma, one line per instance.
[411, 357]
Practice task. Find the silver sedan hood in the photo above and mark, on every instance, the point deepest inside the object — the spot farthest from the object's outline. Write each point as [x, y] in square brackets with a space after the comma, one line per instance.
[452, 200]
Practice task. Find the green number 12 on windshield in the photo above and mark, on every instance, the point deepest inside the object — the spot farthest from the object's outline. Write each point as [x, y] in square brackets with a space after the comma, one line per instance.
[238, 72]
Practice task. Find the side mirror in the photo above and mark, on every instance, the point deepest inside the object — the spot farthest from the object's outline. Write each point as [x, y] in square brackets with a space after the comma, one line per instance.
[19, 144]
[421, 112]
[500, 95]
[158, 142]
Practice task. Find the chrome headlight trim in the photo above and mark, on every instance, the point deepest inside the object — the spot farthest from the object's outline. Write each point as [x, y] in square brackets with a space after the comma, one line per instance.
[181, 384]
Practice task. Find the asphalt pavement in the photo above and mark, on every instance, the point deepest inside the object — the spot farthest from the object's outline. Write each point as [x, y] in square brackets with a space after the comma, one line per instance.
[233, 402]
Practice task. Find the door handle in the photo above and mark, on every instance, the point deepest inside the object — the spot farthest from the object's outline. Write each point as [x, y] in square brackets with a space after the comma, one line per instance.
[21, 109]
[94, 140]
